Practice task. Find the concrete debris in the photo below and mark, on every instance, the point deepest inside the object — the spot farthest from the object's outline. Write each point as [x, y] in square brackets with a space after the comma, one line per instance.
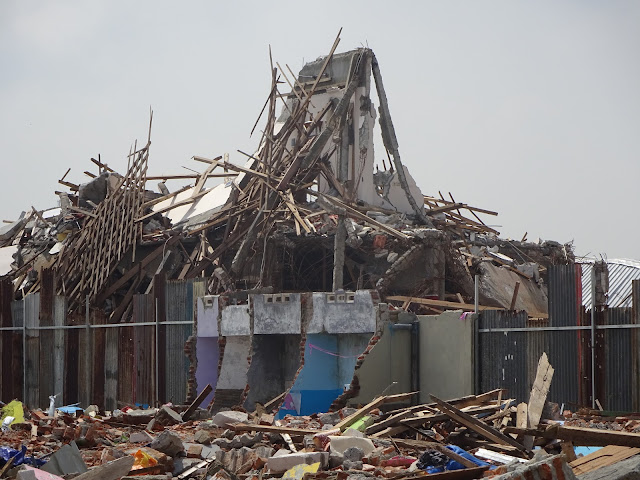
[228, 418]
[169, 443]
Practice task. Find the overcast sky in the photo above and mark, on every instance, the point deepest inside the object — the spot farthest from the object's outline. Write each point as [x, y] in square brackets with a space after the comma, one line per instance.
[531, 108]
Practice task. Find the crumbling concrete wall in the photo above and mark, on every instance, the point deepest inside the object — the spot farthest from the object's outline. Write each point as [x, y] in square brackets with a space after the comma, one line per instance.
[264, 340]
[447, 356]
[387, 367]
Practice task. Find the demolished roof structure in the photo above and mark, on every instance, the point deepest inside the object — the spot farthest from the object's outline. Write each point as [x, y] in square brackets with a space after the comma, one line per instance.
[306, 212]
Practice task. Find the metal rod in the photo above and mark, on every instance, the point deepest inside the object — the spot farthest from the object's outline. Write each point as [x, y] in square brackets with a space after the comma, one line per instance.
[559, 329]
[109, 325]
[593, 337]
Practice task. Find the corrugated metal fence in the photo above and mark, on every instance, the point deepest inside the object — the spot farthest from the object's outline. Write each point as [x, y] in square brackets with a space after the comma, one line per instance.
[82, 358]
[510, 344]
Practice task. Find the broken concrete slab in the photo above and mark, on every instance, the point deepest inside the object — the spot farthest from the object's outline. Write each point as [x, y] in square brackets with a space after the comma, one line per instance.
[66, 461]
[30, 473]
[168, 416]
[340, 444]
[109, 471]
[282, 463]
[227, 418]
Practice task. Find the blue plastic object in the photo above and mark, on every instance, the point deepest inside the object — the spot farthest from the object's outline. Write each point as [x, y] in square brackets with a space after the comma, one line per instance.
[453, 465]
[19, 457]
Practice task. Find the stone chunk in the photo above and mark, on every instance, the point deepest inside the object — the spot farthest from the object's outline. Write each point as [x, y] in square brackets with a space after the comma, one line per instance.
[203, 437]
[169, 443]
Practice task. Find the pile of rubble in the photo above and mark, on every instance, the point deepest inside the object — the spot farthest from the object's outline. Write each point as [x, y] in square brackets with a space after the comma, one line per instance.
[471, 437]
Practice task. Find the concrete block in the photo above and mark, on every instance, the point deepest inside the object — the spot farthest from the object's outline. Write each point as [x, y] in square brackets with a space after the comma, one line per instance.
[282, 463]
[235, 321]
[228, 418]
[340, 444]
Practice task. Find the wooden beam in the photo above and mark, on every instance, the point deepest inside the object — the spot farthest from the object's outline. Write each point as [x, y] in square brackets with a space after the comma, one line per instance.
[196, 403]
[249, 427]
[514, 298]
[460, 306]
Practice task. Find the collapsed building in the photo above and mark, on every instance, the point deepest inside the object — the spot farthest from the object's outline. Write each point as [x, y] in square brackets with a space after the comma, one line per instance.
[308, 248]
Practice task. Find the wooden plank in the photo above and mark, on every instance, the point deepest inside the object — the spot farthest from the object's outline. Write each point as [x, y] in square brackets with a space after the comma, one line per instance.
[521, 416]
[476, 425]
[251, 427]
[580, 436]
[608, 455]
[538, 396]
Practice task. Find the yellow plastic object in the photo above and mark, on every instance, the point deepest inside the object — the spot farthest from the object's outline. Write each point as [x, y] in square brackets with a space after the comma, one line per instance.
[142, 460]
[13, 409]
[297, 472]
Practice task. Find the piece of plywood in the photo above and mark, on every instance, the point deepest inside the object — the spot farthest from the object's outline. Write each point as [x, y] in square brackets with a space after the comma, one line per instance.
[605, 456]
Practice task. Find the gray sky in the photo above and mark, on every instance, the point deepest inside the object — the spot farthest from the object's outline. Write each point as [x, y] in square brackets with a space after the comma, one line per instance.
[531, 109]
